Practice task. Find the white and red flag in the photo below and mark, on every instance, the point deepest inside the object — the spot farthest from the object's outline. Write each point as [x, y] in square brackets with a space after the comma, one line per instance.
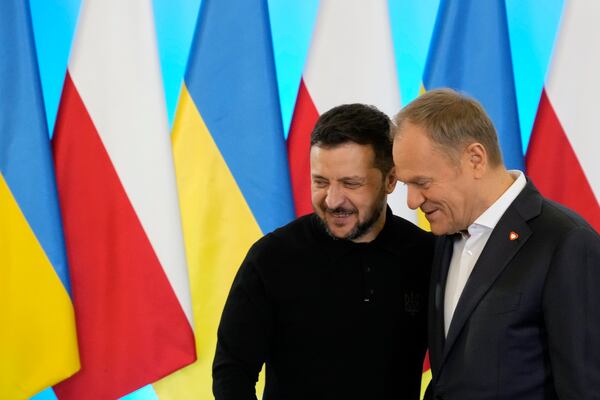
[351, 60]
[119, 202]
[562, 158]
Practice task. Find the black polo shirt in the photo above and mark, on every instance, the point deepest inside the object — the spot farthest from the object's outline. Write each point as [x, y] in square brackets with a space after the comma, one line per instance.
[332, 319]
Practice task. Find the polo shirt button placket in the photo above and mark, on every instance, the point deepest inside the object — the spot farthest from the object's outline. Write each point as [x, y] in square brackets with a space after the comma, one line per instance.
[369, 291]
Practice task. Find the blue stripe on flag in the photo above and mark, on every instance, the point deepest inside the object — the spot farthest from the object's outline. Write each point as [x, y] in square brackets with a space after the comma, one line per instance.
[145, 393]
[47, 394]
[231, 78]
[25, 159]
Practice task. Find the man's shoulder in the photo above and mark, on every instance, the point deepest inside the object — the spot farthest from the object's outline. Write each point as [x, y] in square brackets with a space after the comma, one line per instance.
[295, 234]
[554, 224]
[288, 248]
[403, 228]
[548, 217]
[300, 230]
[562, 218]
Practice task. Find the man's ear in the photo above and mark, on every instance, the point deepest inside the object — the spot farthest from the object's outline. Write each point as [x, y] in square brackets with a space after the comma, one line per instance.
[390, 181]
[476, 159]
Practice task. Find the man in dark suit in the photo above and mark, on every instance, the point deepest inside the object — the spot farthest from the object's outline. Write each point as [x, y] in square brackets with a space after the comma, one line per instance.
[514, 310]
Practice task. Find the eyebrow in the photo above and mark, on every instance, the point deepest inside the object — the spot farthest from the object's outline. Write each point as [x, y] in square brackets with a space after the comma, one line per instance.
[344, 178]
[416, 179]
[353, 178]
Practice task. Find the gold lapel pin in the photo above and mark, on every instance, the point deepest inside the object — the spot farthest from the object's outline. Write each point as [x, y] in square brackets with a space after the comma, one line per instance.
[513, 235]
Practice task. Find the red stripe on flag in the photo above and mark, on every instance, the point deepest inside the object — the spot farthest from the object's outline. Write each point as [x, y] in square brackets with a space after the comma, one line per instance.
[426, 365]
[131, 328]
[298, 143]
[554, 168]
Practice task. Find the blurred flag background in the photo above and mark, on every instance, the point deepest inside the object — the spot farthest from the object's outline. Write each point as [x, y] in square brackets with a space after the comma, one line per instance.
[231, 166]
[563, 154]
[209, 163]
[38, 344]
[118, 196]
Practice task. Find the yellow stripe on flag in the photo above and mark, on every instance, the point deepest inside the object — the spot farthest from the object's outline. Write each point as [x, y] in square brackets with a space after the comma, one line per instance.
[37, 325]
[425, 379]
[218, 229]
[422, 221]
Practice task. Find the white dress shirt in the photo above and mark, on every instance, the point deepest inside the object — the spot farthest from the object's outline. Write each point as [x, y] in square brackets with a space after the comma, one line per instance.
[468, 247]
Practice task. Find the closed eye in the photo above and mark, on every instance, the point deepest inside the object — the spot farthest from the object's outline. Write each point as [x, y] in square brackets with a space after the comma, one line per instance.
[352, 185]
[419, 183]
[319, 183]
[353, 182]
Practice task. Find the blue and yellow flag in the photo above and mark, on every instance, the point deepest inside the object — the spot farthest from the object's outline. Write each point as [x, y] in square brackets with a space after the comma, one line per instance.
[231, 166]
[38, 345]
[470, 52]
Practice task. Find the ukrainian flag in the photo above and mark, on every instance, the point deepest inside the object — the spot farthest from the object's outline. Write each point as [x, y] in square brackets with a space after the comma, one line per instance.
[38, 345]
[231, 166]
[470, 52]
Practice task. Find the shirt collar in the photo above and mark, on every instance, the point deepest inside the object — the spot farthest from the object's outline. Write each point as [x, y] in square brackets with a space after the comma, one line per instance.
[490, 217]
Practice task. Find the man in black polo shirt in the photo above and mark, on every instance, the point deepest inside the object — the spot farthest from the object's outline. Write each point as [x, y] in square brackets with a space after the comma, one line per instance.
[333, 303]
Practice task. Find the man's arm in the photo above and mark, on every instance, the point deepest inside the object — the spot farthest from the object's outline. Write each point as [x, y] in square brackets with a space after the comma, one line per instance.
[572, 315]
[243, 337]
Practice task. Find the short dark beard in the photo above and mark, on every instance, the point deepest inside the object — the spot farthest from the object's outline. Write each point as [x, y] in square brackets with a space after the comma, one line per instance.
[361, 229]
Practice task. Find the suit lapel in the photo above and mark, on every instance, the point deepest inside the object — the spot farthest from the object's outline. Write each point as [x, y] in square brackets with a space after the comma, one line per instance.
[497, 253]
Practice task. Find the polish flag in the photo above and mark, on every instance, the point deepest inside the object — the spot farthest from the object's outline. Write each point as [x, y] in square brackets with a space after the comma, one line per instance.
[119, 202]
[562, 158]
[351, 60]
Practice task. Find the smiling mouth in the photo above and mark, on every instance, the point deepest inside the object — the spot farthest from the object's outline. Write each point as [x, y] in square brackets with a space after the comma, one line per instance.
[342, 214]
[340, 217]
[339, 212]
[429, 213]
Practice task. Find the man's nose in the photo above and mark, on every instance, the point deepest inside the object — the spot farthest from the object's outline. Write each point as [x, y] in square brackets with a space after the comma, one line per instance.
[335, 197]
[414, 197]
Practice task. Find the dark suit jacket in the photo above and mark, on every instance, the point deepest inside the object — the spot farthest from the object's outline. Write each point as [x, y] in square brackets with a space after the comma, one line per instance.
[527, 325]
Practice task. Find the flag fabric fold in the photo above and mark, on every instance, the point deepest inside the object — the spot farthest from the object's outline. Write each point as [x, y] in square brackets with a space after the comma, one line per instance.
[38, 343]
[562, 156]
[350, 60]
[118, 194]
[470, 52]
[231, 166]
